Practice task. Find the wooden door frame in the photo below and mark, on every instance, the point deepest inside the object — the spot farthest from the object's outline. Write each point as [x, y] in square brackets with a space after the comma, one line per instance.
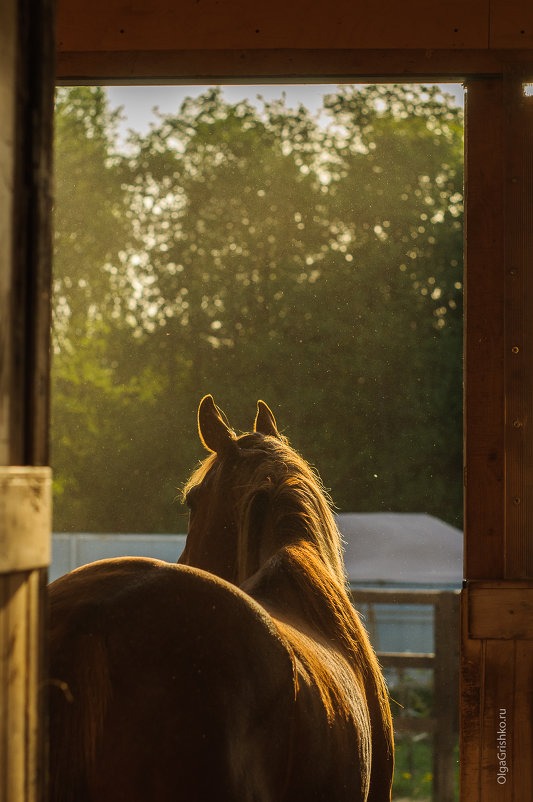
[27, 59]
[498, 359]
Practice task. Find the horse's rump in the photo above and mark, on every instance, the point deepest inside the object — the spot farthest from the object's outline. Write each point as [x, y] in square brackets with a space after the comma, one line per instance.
[191, 678]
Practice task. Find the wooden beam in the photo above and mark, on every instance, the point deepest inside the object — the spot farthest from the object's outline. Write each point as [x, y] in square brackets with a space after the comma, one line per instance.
[511, 23]
[484, 411]
[518, 561]
[396, 596]
[501, 611]
[25, 518]
[446, 695]
[32, 242]
[110, 25]
[284, 65]
[8, 62]
[407, 660]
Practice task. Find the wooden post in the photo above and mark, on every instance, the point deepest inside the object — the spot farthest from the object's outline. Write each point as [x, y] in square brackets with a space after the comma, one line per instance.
[497, 638]
[24, 555]
[26, 94]
[445, 695]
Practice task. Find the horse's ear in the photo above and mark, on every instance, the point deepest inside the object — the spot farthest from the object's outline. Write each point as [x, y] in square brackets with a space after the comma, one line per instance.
[214, 432]
[265, 422]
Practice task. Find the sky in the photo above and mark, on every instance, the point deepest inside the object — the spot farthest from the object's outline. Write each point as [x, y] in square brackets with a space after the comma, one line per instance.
[139, 101]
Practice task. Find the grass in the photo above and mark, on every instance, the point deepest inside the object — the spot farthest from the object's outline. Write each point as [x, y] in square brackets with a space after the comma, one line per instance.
[413, 776]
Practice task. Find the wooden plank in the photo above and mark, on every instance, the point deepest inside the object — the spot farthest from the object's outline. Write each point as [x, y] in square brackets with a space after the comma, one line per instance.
[110, 25]
[21, 667]
[484, 329]
[395, 596]
[504, 614]
[32, 243]
[446, 695]
[498, 781]
[470, 709]
[7, 140]
[405, 660]
[519, 332]
[25, 518]
[267, 65]
[12, 656]
[523, 720]
[511, 23]
[496, 683]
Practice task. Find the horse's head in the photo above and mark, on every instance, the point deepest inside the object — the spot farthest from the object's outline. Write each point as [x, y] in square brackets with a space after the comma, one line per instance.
[252, 496]
[223, 495]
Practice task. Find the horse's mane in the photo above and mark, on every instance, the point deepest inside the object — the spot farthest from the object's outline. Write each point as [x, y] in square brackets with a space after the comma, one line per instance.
[286, 488]
[277, 490]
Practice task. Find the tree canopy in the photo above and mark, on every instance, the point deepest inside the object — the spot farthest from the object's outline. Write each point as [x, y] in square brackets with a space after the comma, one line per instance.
[314, 263]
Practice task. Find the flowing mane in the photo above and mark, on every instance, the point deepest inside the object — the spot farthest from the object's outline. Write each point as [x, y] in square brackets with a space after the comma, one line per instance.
[278, 498]
[291, 495]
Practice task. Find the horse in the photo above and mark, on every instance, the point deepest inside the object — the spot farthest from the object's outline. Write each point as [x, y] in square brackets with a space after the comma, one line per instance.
[242, 673]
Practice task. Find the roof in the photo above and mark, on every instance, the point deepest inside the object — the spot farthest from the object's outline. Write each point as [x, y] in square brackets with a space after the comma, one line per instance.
[401, 549]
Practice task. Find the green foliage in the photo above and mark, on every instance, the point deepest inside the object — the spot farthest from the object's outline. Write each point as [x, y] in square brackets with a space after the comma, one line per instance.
[413, 769]
[411, 692]
[258, 254]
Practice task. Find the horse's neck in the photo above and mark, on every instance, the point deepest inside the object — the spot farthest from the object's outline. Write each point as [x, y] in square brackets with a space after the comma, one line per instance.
[290, 586]
[271, 587]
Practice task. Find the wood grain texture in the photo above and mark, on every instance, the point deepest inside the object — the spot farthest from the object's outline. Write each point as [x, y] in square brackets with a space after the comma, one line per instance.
[284, 65]
[511, 23]
[519, 332]
[21, 697]
[496, 698]
[26, 91]
[25, 518]
[235, 24]
[503, 613]
[32, 242]
[523, 718]
[497, 711]
[7, 144]
[446, 695]
[484, 411]
[470, 681]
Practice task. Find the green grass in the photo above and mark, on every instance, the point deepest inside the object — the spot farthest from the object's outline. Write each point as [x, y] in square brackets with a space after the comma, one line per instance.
[413, 775]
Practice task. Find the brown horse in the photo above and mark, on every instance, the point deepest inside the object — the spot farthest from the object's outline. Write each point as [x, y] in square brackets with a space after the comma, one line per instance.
[242, 673]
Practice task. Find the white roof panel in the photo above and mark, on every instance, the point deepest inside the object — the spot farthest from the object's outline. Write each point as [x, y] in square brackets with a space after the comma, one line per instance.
[401, 548]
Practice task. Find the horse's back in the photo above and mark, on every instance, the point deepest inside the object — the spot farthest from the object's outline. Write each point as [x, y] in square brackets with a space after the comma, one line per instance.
[191, 678]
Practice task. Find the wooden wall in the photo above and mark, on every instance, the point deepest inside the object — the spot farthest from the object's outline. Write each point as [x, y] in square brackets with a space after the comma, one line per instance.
[240, 25]
[232, 38]
[497, 641]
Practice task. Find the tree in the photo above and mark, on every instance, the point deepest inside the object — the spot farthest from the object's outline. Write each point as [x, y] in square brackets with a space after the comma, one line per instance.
[319, 268]
[92, 454]
[395, 199]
